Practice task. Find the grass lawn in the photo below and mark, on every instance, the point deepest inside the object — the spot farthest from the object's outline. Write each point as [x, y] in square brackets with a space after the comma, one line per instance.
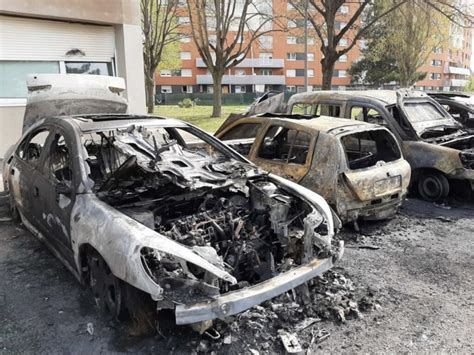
[198, 115]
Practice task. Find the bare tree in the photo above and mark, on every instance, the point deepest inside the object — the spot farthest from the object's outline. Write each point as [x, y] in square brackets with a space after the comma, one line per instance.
[159, 26]
[331, 24]
[224, 32]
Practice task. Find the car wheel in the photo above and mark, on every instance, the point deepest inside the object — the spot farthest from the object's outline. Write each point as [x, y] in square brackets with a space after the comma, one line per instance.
[433, 186]
[106, 289]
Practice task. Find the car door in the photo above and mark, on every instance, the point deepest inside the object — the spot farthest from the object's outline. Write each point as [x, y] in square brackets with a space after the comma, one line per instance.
[285, 149]
[53, 193]
[23, 168]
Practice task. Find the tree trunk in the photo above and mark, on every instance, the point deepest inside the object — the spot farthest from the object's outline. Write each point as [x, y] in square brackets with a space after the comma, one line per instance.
[150, 92]
[217, 96]
[327, 68]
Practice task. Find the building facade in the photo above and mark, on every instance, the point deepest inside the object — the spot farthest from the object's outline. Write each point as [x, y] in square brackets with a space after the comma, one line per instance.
[276, 61]
[66, 36]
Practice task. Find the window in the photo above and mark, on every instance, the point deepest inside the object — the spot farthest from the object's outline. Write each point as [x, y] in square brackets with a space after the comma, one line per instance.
[242, 131]
[436, 63]
[291, 73]
[95, 68]
[339, 74]
[185, 55]
[343, 58]
[291, 40]
[343, 42]
[435, 76]
[438, 50]
[264, 55]
[291, 24]
[329, 110]
[367, 114]
[240, 72]
[213, 41]
[59, 161]
[186, 72]
[310, 57]
[165, 72]
[13, 76]
[166, 89]
[240, 89]
[185, 39]
[291, 56]
[366, 149]
[310, 73]
[267, 72]
[291, 88]
[339, 25]
[245, 133]
[30, 149]
[344, 9]
[183, 20]
[310, 41]
[289, 6]
[285, 145]
[266, 42]
[187, 89]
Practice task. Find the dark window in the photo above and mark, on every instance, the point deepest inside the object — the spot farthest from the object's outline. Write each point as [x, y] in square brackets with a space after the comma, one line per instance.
[366, 149]
[330, 110]
[285, 145]
[30, 149]
[242, 131]
[299, 72]
[367, 114]
[96, 68]
[244, 134]
[59, 161]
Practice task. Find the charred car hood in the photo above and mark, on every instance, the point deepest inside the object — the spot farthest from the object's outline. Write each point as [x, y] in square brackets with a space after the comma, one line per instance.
[53, 95]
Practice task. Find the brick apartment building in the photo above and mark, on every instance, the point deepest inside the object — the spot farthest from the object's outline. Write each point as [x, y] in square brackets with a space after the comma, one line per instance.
[276, 62]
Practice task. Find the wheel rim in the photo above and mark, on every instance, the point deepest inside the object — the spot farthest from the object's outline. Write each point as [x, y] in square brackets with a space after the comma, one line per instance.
[432, 187]
[105, 287]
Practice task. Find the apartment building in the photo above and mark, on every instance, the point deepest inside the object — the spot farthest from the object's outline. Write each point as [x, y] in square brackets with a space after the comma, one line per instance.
[276, 61]
[66, 36]
[449, 66]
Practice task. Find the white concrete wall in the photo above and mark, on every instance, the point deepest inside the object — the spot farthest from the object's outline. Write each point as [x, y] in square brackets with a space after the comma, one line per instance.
[129, 60]
[11, 123]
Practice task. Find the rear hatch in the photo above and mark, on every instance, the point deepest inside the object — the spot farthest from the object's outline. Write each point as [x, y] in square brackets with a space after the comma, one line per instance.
[375, 167]
[52, 95]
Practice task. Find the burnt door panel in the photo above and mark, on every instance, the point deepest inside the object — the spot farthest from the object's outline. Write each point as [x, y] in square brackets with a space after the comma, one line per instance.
[54, 196]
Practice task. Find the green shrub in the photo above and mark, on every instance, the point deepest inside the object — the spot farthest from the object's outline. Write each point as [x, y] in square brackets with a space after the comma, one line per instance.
[186, 103]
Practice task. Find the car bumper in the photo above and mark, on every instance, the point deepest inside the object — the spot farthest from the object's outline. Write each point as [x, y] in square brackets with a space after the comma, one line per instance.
[238, 301]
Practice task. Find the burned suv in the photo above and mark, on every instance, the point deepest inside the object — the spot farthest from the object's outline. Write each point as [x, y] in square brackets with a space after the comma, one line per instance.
[439, 150]
[156, 207]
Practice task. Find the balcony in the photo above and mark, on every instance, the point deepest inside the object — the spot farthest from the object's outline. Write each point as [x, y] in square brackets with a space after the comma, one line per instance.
[458, 83]
[457, 70]
[251, 63]
[244, 79]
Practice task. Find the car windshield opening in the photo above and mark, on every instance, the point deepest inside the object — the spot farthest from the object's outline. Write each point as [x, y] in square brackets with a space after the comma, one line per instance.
[366, 149]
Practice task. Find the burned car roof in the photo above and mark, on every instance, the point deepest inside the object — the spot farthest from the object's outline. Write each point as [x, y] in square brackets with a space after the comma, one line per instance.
[388, 97]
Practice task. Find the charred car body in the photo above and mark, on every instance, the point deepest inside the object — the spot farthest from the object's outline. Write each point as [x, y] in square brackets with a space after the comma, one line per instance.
[458, 105]
[357, 167]
[439, 150]
[156, 205]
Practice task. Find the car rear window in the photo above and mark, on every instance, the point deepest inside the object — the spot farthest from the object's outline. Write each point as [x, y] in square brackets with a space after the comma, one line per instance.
[366, 149]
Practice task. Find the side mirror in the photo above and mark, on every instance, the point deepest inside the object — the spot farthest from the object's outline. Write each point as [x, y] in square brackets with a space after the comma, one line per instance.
[63, 189]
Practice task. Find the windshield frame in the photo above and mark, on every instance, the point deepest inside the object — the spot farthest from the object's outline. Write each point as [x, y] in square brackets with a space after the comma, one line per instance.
[422, 126]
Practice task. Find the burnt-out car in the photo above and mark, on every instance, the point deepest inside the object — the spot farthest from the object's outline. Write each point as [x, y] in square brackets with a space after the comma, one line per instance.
[153, 206]
[440, 151]
[458, 105]
[356, 166]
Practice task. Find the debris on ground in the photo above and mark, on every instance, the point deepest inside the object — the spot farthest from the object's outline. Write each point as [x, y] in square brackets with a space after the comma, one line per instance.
[290, 343]
[90, 328]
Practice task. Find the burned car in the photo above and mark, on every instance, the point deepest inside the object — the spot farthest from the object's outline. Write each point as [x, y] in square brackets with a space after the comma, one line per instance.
[440, 151]
[356, 166]
[156, 206]
[458, 105]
